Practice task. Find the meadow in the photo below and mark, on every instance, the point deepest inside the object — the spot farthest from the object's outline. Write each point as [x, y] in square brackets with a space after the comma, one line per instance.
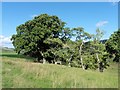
[19, 71]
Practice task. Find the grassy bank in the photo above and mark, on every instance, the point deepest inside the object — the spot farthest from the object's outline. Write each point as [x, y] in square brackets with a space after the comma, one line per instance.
[20, 72]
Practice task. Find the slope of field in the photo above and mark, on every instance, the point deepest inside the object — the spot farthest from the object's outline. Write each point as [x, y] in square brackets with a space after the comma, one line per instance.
[20, 72]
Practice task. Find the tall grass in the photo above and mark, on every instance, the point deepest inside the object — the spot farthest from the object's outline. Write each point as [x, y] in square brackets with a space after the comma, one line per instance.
[17, 73]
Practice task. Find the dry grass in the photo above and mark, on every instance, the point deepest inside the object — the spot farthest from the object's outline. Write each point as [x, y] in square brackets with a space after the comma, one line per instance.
[18, 72]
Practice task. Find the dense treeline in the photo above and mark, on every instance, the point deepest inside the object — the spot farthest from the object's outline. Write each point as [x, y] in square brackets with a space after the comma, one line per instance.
[48, 40]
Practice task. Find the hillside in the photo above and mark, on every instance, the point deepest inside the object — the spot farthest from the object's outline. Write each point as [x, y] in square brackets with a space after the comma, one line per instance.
[18, 72]
[7, 50]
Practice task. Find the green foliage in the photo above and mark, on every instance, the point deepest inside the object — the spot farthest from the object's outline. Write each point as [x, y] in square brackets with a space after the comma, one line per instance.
[36, 36]
[98, 50]
[47, 39]
[113, 45]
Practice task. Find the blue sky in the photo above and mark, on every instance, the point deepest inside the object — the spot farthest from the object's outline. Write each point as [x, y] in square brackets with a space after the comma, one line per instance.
[88, 15]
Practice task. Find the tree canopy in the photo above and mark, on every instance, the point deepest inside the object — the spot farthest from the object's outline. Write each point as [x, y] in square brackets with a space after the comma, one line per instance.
[36, 36]
[113, 46]
[47, 39]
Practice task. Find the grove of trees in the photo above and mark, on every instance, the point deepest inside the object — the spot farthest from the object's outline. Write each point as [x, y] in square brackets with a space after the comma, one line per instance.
[47, 39]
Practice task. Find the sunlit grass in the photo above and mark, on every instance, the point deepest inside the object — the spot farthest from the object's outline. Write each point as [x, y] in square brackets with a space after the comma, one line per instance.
[18, 72]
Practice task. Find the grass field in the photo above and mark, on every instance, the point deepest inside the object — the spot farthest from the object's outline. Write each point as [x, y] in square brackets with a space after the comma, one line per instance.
[21, 72]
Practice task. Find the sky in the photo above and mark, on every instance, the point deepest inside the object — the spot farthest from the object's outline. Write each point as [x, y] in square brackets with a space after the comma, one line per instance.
[89, 15]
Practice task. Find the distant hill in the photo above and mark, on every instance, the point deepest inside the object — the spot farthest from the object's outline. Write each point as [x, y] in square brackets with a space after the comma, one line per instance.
[103, 41]
[7, 50]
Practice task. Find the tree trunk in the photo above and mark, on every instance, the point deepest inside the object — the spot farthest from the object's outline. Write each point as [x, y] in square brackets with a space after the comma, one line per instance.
[44, 60]
[69, 65]
[82, 64]
[70, 60]
[55, 62]
[98, 61]
[80, 50]
[54, 58]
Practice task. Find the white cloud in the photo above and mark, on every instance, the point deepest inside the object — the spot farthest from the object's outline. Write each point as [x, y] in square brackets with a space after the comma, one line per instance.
[5, 40]
[101, 23]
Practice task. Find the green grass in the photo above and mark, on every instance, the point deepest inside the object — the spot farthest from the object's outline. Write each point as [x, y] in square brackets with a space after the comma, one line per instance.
[19, 72]
[15, 56]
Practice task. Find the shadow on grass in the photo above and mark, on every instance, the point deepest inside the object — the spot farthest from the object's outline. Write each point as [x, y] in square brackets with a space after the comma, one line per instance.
[14, 55]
